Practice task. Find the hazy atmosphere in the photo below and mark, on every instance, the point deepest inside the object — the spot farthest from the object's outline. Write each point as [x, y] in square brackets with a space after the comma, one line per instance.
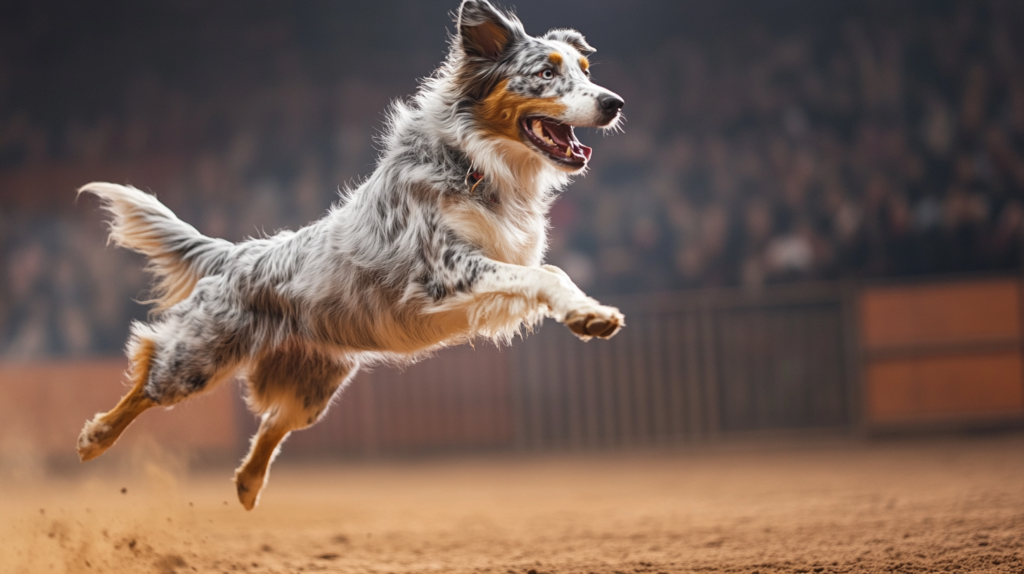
[812, 219]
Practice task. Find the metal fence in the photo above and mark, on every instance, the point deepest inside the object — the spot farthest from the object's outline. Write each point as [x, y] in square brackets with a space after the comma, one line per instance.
[688, 367]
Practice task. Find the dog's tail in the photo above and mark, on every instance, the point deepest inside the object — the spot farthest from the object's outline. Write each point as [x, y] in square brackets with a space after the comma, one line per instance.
[179, 255]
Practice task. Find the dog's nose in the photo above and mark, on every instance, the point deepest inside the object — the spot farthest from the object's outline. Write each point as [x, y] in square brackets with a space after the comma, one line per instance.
[610, 104]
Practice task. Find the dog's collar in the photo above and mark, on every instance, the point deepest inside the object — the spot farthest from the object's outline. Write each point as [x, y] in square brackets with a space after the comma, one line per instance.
[473, 179]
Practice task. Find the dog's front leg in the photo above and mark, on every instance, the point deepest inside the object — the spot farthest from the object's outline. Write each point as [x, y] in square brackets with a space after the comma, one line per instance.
[545, 290]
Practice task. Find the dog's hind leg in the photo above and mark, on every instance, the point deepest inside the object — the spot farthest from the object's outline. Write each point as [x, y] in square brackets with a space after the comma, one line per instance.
[292, 389]
[103, 430]
[196, 346]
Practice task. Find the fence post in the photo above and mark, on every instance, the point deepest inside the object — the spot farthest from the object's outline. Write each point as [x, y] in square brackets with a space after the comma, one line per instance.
[709, 360]
[853, 357]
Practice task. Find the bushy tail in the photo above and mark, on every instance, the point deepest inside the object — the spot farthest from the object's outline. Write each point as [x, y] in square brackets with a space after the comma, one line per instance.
[179, 255]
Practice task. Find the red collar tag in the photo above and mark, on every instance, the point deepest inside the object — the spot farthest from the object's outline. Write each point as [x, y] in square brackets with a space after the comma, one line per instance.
[473, 179]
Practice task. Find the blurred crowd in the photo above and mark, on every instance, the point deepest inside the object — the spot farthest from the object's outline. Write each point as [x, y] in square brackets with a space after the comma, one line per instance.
[876, 147]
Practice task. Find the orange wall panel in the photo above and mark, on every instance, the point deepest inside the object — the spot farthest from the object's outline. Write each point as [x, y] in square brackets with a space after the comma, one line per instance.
[44, 405]
[945, 387]
[964, 311]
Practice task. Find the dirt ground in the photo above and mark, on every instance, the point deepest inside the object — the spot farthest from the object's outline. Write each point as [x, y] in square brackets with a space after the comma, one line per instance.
[833, 506]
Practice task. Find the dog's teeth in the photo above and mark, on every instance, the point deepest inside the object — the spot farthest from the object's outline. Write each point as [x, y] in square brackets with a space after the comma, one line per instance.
[538, 129]
[568, 151]
[549, 140]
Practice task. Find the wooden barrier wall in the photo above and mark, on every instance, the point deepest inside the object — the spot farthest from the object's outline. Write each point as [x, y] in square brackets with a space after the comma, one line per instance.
[942, 354]
[688, 367]
[44, 405]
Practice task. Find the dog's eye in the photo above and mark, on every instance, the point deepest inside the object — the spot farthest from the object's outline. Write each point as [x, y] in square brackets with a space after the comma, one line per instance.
[546, 73]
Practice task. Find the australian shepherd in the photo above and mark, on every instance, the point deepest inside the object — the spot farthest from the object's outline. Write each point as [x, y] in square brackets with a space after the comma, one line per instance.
[442, 243]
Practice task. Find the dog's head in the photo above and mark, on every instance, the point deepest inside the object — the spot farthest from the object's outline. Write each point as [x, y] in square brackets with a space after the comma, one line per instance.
[530, 90]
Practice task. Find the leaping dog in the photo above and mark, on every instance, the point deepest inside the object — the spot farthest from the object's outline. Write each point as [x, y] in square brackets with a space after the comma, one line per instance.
[442, 243]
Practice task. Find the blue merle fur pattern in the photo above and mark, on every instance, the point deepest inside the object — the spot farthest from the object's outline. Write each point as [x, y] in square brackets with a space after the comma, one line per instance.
[442, 243]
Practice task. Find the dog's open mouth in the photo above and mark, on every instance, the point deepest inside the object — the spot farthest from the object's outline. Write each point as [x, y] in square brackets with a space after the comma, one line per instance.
[557, 140]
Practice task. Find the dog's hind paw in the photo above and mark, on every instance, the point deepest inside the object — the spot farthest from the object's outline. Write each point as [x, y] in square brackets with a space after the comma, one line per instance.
[94, 439]
[598, 321]
[249, 487]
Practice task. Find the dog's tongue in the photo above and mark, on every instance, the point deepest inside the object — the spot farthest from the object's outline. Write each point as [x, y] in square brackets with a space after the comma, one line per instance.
[564, 137]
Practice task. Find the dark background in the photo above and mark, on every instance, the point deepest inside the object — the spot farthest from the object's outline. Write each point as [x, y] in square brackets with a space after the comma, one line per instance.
[766, 142]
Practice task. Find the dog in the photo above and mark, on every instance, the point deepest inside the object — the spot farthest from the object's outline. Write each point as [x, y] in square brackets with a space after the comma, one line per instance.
[441, 244]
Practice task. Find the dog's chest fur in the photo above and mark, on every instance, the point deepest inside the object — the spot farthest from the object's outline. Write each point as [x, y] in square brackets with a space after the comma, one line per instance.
[503, 226]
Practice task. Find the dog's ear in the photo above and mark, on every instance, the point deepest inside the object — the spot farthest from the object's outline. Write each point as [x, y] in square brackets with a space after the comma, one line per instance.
[571, 37]
[484, 31]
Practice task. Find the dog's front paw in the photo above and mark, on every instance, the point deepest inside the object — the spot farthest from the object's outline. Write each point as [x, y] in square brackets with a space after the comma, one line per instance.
[595, 321]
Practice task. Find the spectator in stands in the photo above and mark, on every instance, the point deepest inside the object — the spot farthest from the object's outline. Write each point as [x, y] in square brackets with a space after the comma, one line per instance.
[873, 149]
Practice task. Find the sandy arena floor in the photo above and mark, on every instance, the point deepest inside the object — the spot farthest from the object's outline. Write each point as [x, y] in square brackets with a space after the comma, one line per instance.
[909, 506]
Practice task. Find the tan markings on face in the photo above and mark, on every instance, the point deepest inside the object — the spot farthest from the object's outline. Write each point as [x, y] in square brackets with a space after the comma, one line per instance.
[584, 64]
[500, 112]
[556, 59]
